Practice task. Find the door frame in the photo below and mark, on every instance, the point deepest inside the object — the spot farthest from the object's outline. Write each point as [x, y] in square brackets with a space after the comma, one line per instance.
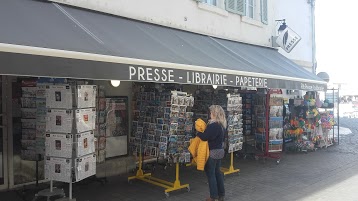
[4, 126]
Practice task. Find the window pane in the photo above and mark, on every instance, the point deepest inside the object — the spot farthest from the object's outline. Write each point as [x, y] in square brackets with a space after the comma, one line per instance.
[250, 8]
[211, 2]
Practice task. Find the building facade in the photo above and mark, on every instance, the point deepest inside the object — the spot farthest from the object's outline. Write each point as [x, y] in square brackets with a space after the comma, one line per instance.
[103, 40]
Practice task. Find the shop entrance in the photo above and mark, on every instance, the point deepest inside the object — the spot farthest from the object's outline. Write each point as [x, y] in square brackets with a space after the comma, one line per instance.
[3, 144]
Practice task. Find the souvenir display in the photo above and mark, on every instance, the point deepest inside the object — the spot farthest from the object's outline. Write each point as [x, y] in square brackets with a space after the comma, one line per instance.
[308, 127]
[234, 122]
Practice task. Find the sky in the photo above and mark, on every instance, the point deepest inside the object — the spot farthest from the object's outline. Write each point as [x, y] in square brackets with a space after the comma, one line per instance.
[337, 39]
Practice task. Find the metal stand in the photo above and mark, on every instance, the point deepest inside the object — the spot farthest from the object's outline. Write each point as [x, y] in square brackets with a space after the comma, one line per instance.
[69, 194]
[231, 169]
[169, 186]
[48, 193]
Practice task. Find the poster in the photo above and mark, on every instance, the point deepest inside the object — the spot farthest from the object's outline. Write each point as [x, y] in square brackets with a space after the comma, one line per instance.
[116, 126]
[117, 117]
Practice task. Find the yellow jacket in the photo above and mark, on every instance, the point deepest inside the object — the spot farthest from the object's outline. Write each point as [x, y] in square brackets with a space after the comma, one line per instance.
[200, 151]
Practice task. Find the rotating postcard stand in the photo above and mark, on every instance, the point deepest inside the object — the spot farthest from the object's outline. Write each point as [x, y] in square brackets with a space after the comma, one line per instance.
[177, 124]
[235, 136]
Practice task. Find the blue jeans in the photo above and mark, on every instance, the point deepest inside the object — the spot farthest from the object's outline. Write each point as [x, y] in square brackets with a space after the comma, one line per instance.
[215, 178]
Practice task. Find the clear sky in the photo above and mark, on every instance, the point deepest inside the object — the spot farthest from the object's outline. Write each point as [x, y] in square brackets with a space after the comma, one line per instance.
[337, 39]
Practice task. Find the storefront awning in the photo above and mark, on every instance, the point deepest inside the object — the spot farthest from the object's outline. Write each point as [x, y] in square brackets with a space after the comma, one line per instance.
[47, 39]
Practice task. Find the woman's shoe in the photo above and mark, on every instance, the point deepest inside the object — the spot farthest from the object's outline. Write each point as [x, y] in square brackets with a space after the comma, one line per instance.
[221, 198]
[211, 199]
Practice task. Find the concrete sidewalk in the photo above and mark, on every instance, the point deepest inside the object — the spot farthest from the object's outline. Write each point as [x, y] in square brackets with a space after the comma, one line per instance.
[327, 174]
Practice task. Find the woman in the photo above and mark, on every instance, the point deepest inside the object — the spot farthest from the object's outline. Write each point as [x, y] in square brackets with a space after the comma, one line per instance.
[214, 134]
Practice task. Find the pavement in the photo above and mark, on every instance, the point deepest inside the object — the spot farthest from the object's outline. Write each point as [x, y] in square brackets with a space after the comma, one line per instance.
[326, 174]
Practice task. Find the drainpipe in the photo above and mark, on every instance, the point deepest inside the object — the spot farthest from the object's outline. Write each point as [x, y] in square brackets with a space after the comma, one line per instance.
[313, 21]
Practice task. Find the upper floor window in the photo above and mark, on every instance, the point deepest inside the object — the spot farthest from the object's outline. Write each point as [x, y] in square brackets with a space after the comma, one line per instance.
[250, 8]
[211, 2]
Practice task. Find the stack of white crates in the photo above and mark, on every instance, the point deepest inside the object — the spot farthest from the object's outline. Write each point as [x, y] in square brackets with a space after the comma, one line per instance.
[70, 124]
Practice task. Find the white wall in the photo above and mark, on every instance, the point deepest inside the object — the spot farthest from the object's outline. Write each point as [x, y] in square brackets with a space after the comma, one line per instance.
[298, 17]
[189, 15]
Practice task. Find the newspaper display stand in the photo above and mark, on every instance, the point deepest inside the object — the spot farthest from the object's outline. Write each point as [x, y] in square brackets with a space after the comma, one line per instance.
[70, 143]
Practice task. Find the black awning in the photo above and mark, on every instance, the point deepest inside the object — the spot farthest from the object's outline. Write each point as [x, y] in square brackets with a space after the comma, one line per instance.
[48, 39]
